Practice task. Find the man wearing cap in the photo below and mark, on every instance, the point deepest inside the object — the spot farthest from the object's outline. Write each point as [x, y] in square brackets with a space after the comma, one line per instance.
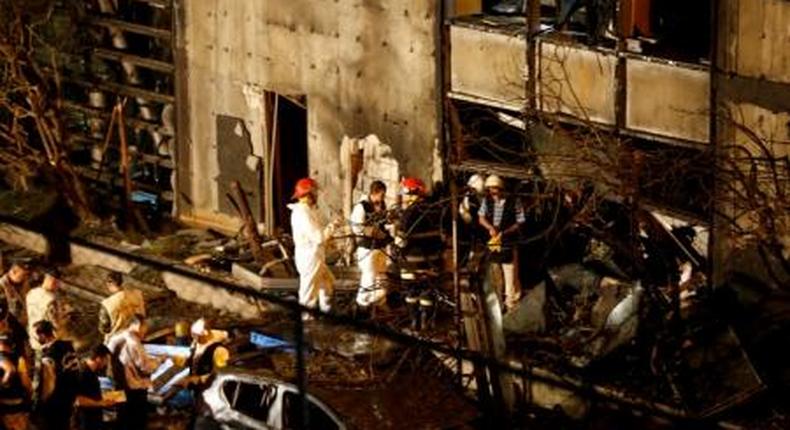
[470, 231]
[120, 307]
[13, 288]
[502, 217]
[315, 279]
[46, 303]
[367, 223]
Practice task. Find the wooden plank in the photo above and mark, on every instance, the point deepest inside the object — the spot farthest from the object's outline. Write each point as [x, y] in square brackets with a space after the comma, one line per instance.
[80, 141]
[148, 63]
[157, 3]
[126, 90]
[131, 122]
[132, 27]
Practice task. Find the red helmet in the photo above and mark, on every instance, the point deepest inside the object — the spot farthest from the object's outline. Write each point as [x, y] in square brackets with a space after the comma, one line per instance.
[410, 185]
[304, 187]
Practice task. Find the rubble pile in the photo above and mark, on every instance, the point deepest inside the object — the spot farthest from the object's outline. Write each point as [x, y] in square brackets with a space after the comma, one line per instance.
[660, 338]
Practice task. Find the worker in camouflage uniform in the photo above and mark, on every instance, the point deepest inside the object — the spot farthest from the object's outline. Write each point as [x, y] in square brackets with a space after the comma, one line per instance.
[120, 307]
[13, 287]
[46, 302]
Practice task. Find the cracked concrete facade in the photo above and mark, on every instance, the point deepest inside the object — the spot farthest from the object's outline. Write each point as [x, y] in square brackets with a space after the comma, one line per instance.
[364, 68]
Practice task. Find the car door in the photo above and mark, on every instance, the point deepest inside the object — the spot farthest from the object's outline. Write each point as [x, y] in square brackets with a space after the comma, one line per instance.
[319, 416]
[251, 404]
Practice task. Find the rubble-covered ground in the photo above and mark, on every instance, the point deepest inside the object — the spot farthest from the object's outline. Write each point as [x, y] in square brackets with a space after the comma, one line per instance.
[371, 382]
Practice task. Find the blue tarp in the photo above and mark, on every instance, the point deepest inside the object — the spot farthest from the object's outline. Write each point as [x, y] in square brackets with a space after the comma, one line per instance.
[268, 342]
[169, 350]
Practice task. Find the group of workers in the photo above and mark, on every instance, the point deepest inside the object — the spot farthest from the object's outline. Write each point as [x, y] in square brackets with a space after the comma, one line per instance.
[376, 231]
[409, 238]
[46, 384]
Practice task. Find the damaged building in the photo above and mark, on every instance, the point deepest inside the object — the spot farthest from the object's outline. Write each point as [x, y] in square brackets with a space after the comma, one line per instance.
[646, 140]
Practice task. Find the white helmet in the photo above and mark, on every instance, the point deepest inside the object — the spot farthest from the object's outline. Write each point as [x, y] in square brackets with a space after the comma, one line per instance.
[199, 327]
[494, 181]
[476, 182]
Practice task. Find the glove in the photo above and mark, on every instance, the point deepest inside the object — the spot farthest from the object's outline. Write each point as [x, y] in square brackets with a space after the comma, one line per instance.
[495, 243]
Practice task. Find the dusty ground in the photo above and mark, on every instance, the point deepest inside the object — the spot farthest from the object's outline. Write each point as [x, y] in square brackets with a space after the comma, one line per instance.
[372, 382]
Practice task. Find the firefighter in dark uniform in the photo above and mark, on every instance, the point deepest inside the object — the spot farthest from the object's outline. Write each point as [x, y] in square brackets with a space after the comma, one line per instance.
[418, 236]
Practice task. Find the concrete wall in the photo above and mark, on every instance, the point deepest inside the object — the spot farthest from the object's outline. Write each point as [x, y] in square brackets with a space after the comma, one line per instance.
[577, 81]
[488, 65]
[757, 34]
[664, 99]
[754, 100]
[668, 100]
[365, 67]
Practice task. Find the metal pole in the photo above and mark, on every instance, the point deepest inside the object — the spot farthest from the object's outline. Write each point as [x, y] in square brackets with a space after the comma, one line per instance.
[272, 162]
[127, 180]
[713, 136]
[533, 27]
[301, 376]
[456, 280]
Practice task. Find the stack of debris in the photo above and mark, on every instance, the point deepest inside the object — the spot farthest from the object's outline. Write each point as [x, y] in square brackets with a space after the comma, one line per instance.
[637, 328]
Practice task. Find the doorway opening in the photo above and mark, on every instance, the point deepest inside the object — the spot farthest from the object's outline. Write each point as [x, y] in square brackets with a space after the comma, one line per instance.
[286, 155]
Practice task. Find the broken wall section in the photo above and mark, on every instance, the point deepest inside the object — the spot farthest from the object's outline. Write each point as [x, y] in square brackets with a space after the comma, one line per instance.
[362, 67]
[754, 134]
[366, 160]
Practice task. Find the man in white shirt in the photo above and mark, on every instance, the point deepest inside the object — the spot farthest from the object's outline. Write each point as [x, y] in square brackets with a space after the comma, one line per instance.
[367, 223]
[46, 303]
[132, 369]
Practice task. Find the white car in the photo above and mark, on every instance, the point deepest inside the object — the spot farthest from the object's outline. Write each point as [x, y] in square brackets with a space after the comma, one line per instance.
[245, 400]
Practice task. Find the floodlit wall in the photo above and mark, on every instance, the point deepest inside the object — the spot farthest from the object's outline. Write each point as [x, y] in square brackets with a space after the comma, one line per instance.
[663, 99]
[364, 67]
[754, 100]
[667, 100]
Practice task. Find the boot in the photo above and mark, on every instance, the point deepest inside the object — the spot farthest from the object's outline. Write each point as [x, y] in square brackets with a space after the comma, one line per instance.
[413, 303]
[426, 312]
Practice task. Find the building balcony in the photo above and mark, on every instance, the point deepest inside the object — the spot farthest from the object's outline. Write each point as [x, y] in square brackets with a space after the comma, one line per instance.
[647, 97]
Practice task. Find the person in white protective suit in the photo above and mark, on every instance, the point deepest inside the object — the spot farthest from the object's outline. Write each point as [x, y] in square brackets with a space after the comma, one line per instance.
[315, 279]
[368, 220]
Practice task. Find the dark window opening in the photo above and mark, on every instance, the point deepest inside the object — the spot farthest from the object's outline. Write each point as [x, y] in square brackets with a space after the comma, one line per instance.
[676, 177]
[491, 135]
[288, 146]
[672, 29]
